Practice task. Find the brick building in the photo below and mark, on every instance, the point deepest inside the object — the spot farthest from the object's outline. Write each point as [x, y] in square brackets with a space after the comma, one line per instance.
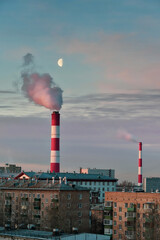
[132, 215]
[45, 204]
[97, 183]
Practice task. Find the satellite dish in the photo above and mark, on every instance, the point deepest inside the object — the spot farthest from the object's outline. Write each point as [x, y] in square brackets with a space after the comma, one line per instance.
[60, 62]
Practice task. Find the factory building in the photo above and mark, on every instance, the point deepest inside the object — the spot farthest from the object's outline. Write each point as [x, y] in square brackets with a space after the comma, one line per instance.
[132, 215]
[45, 204]
[97, 184]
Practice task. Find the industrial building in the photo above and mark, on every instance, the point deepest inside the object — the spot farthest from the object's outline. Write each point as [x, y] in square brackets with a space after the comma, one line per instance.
[45, 204]
[130, 215]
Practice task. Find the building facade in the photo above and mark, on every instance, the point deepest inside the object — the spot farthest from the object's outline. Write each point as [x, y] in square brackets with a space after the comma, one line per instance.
[130, 215]
[96, 183]
[44, 204]
[10, 168]
[151, 184]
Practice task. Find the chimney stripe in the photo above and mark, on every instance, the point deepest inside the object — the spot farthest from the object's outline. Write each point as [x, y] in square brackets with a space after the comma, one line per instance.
[140, 165]
[55, 142]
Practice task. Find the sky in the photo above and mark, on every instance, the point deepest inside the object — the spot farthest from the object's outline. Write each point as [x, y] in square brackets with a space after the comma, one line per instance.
[110, 81]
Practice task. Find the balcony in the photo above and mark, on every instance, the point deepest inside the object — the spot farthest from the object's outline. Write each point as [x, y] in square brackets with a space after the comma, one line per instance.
[131, 228]
[108, 231]
[108, 217]
[131, 209]
[130, 236]
[107, 222]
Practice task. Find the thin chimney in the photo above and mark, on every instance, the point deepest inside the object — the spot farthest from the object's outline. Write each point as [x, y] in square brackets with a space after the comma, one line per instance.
[140, 165]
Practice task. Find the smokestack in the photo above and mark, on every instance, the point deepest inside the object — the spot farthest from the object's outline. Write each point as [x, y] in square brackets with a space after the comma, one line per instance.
[55, 146]
[140, 165]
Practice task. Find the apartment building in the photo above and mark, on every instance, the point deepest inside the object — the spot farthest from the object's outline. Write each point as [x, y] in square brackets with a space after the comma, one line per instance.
[98, 184]
[132, 215]
[46, 204]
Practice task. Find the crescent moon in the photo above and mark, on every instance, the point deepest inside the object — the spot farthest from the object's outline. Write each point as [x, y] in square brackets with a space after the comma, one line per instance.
[60, 62]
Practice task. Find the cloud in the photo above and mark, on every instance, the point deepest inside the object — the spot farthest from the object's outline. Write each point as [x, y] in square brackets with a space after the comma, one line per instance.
[124, 61]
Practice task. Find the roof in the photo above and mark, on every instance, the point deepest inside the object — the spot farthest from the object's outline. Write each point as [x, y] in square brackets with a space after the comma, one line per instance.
[69, 176]
[40, 184]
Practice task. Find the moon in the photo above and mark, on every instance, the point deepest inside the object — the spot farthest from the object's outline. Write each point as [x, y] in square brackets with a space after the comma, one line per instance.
[60, 62]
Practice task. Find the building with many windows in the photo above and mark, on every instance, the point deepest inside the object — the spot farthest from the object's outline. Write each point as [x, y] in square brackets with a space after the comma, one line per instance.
[45, 204]
[132, 215]
[97, 183]
[151, 184]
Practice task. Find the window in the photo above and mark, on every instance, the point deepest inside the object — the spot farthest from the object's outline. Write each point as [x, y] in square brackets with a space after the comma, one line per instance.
[79, 214]
[120, 209]
[120, 236]
[106, 222]
[120, 227]
[115, 223]
[112, 183]
[46, 200]
[115, 232]
[115, 204]
[112, 189]
[107, 183]
[42, 195]
[80, 205]
[138, 205]
[120, 218]
[115, 214]
[68, 205]
[38, 195]
[131, 205]
[55, 196]
[69, 196]
[107, 189]
[126, 205]
[80, 196]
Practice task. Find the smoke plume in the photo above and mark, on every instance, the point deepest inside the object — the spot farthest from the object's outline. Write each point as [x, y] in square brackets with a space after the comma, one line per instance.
[126, 136]
[40, 88]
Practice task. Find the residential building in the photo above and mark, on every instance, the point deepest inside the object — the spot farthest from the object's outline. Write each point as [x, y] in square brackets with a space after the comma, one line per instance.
[151, 184]
[132, 215]
[46, 204]
[97, 183]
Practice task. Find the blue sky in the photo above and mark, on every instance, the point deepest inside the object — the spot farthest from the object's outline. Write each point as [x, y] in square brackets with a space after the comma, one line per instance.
[110, 82]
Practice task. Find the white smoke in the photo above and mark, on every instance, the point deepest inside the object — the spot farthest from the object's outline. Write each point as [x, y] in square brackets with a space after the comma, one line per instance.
[126, 136]
[40, 88]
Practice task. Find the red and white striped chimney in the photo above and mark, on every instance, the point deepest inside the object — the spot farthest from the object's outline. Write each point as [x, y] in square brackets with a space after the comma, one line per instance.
[55, 139]
[140, 165]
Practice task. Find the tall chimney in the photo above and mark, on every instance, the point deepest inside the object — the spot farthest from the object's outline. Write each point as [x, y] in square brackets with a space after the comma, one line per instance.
[140, 165]
[55, 146]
